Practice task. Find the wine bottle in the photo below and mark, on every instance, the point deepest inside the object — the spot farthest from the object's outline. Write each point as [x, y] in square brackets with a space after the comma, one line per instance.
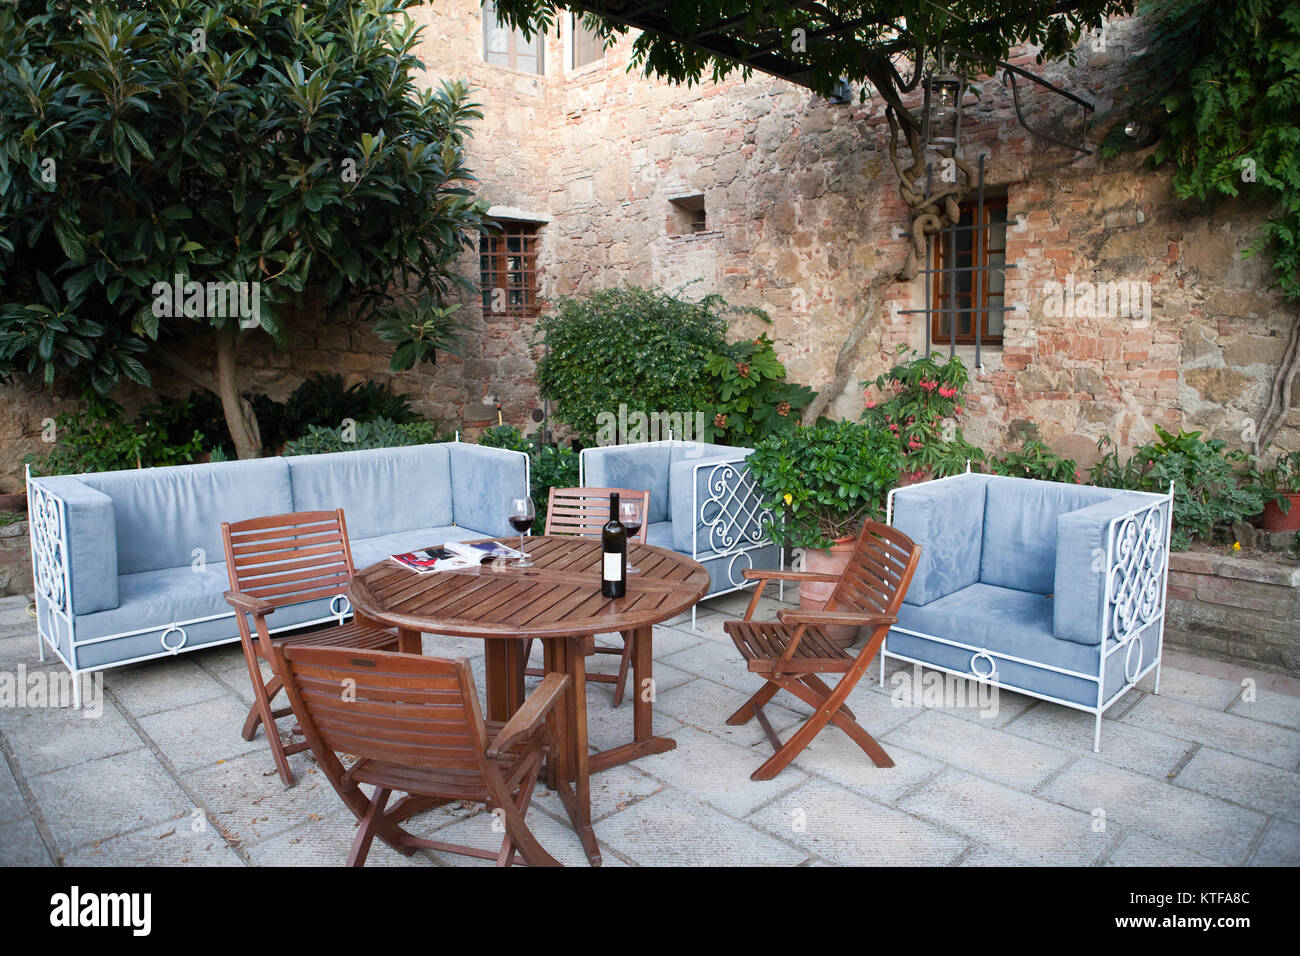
[613, 546]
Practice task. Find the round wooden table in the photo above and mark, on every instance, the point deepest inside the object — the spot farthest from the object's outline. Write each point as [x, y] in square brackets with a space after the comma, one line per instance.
[558, 602]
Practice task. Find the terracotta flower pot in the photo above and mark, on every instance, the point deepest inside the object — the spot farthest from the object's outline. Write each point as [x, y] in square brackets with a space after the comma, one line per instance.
[1274, 520]
[813, 595]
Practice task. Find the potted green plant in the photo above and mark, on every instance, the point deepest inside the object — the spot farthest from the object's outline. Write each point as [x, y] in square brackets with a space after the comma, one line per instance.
[911, 402]
[822, 482]
[1279, 486]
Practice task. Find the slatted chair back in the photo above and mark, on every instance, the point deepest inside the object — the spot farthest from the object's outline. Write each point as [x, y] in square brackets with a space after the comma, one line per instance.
[290, 558]
[584, 511]
[876, 577]
[400, 710]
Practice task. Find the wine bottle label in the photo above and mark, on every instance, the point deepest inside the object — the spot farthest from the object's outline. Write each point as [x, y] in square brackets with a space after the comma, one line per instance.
[613, 567]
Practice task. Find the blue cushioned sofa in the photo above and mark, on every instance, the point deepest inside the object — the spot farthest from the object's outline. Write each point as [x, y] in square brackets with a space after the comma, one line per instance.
[703, 503]
[1052, 590]
[129, 565]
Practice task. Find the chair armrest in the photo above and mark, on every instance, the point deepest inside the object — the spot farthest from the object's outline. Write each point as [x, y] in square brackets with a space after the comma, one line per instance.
[763, 574]
[530, 716]
[835, 617]
[249, 604]
[74, 537]
[483, 480]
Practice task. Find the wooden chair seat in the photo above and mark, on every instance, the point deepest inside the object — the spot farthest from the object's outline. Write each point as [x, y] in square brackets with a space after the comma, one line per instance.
[351, 634]
[762, 643]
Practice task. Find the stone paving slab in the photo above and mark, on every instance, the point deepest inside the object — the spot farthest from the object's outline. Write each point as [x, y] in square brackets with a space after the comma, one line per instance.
[1200, 773]
[1208, 825]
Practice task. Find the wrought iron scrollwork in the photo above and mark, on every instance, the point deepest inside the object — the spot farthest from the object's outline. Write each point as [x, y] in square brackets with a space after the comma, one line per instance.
[1137, 573]
[732, 515]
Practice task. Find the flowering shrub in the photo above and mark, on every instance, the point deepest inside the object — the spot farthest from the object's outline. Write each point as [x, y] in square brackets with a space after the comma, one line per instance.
[750, 397]
[912, 401]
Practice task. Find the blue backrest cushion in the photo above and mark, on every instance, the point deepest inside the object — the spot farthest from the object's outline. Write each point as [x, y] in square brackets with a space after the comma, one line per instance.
[946, 518]
[483, 482]
[163, 515]
[381, 490]
[641, 467]
[1019, 547]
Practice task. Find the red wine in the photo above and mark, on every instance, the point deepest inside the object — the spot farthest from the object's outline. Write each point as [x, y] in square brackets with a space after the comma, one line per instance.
[521, 523]
[613, 546]
[631, 529]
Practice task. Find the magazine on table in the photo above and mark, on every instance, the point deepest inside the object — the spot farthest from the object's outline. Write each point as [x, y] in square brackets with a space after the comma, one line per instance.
[453, 555]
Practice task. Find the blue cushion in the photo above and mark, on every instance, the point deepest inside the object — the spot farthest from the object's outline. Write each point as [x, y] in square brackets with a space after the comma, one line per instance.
[724, 499]
[1081, 565]
[483, 480]
[660, 534]
[1019, 546]
[642, 467]
[946, 518]
[163, 515]
[92, 543]
[380, 490]
[726, 571]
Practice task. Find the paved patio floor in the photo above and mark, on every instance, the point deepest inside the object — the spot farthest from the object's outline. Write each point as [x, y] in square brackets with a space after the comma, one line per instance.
[1205, 773]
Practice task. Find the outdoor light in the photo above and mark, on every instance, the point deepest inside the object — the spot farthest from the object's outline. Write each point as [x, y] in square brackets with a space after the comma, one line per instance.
[1142, 134]
[1134, 130]
[942, 117]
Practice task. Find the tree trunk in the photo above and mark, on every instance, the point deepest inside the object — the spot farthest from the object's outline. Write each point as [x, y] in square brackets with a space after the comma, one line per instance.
[240, 420]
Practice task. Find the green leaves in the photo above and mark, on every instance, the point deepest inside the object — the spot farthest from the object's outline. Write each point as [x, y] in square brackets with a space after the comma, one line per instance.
[750, 397]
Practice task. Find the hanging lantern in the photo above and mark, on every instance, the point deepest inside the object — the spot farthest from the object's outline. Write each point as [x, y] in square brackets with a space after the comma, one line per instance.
[942, 119]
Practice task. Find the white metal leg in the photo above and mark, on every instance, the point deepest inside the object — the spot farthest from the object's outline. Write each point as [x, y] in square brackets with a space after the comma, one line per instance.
[1096, 736]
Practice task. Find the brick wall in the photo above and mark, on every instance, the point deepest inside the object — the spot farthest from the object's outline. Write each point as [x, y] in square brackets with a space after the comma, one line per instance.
[1236, 608]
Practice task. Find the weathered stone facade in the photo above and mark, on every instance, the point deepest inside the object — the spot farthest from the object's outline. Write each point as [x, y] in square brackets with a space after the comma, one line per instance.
[803, 211]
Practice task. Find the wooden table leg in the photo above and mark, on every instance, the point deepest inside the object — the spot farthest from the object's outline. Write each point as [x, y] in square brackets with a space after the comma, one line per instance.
[504, 662]
[644, 742]
[573, 785]
[410, 642]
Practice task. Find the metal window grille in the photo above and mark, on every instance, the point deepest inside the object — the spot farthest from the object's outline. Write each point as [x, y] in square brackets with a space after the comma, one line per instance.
[508, 271]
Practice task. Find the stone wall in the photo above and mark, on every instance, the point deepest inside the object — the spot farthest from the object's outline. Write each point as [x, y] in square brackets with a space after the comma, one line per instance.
[15, 559]
[1236, 608]
[803, 212]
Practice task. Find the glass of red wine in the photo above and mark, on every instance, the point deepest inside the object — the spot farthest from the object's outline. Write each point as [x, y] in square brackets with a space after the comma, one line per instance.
[629, 516]
[521, 518]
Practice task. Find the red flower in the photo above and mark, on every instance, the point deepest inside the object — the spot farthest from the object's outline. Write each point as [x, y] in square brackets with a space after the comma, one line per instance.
[719, 420]
[783, 408]
[743, 369]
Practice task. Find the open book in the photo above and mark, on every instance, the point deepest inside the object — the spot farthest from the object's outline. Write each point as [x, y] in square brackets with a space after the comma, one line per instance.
[453, 555]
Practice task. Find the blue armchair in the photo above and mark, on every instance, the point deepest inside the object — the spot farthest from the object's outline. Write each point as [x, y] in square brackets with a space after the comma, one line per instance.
[1048, 589]
[703, 502]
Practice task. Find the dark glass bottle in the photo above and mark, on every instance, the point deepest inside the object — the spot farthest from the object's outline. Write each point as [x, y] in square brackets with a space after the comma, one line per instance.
[613, 545]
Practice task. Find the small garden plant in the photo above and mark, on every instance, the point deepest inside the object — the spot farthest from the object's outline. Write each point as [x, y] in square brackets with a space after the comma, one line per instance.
[912, 401]
[751, 397]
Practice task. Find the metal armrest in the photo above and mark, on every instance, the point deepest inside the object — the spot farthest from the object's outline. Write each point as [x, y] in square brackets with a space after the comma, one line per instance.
[246, 602]
[529, 717]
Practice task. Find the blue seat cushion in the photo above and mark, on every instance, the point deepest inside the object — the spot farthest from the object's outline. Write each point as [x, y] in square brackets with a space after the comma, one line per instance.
[380, 490]
[1019, 547]
[163, 515]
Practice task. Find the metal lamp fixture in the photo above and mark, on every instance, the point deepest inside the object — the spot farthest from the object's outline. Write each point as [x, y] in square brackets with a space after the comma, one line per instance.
[942, 112]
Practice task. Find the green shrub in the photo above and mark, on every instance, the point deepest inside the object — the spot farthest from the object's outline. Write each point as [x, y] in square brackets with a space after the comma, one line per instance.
[11, 517]
[749, 396]
[1277, 481]
[99, 438]
[178, 419]
[552, 466]
[1208, 490]
[1035, 460]
[380, 433]
[643, 348]
[823, 481]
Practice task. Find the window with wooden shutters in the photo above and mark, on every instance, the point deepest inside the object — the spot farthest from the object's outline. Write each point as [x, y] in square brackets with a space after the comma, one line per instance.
[587, 47]
[503, 46]
[967, 281]
[508, 271]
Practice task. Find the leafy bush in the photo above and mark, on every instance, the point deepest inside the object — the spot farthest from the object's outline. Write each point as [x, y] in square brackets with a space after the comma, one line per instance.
[823, 481]
[180, 419]
[380, 433]
[1035, 460]
[1208, 492]
[11, 517]
[910, 402]
[552, 466]
[641, 347]
[99, 438]
[749, 396]
[943, 459]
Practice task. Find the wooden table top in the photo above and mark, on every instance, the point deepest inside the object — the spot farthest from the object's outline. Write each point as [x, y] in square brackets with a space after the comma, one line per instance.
[558, 596]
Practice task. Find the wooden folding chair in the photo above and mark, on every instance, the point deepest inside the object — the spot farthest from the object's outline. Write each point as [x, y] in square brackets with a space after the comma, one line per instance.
[274, 562]
[414, 725]
[790, 652]
[584, 511]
